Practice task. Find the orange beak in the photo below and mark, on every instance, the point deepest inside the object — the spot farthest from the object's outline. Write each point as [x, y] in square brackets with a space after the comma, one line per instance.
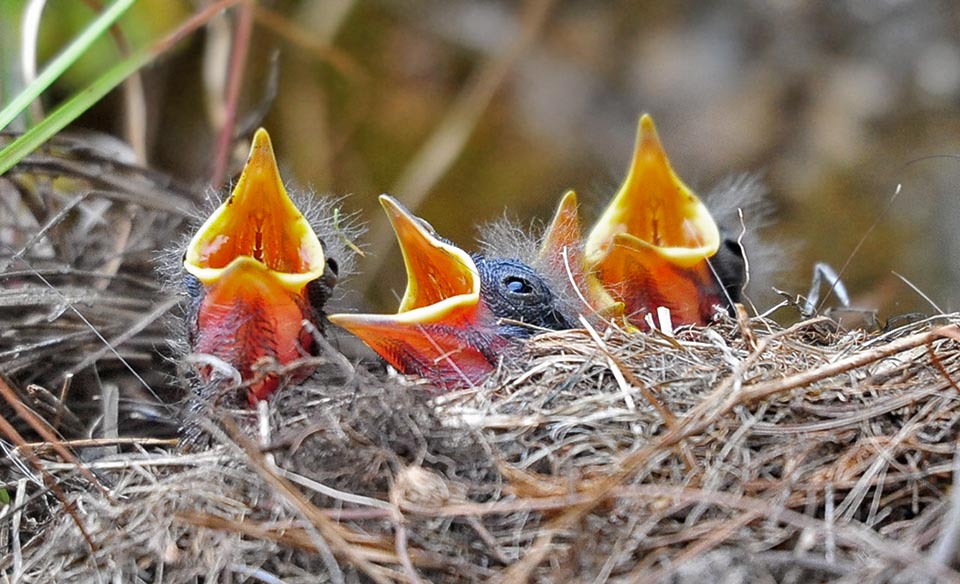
[653, 244]
[255, 257]
[561, 251]
[442, 330]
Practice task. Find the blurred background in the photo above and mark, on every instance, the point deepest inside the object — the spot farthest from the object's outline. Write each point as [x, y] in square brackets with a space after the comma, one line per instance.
[849, 110]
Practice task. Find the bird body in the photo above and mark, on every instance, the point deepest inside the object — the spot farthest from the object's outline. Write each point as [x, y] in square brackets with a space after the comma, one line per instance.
[655, 245]
[459, 313]
[256, 271]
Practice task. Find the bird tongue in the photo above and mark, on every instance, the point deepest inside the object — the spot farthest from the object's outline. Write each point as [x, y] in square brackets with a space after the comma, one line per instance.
[258, 221]
[655, 208]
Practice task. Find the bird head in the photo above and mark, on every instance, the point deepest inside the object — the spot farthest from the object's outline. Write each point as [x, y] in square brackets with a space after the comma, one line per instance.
[459, 313]
[256, 270]
[654, 243]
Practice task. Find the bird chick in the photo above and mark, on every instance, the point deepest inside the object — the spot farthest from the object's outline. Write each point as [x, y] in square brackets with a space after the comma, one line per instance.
[555, 251]
[258, 277]
[460, 313]
[656, 244]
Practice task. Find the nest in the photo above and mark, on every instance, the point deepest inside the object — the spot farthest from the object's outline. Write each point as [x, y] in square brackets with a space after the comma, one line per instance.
[741, 452]
[806, 454]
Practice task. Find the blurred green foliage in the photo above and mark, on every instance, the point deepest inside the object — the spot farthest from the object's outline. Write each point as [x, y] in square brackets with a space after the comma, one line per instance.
[62, 20]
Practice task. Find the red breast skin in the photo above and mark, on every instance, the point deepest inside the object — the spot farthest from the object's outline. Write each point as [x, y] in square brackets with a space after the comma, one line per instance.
[245, 317]
[692, 294]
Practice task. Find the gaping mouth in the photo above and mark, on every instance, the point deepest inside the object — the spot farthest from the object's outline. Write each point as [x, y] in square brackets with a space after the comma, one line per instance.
[439, 275]
[433, 332]
[442, 279]
[653, 244]
[654, 211]
[258, 221]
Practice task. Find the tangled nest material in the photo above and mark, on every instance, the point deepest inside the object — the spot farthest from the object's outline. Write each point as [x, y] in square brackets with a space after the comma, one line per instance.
[742, 452]
[814, 455]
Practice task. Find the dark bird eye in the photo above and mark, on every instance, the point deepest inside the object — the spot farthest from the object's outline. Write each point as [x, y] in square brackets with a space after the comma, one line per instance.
[515, 291]
[517, 285]
[334, 267]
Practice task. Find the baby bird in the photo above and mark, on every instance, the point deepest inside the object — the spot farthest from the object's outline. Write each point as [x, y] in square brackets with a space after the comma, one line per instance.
[656, 244]
[460, 313]
[258, 277]
[556, 253]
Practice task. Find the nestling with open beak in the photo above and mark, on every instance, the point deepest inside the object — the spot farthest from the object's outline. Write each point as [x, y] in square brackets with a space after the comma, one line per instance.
[258, 277]
[460, 313]
[657, 244]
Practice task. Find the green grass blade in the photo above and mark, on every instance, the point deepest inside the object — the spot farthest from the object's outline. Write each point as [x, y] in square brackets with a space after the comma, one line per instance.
[72, 109]
[62, 61]
[83, 100]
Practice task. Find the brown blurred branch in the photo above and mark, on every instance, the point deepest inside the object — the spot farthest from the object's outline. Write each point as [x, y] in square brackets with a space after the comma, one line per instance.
[445, 145]
[317, 47]
[238, 59]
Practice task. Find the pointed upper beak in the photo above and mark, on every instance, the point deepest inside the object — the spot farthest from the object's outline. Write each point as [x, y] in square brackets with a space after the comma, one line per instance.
[652, 244]
[254, 256]
[258, 220]
[561, 251]
[437, 330]
[560, 248]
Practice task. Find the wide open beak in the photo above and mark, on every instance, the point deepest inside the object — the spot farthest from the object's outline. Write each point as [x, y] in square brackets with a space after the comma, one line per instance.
[258, 220]
[437, 331]
[254, 255]
[652, 244]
